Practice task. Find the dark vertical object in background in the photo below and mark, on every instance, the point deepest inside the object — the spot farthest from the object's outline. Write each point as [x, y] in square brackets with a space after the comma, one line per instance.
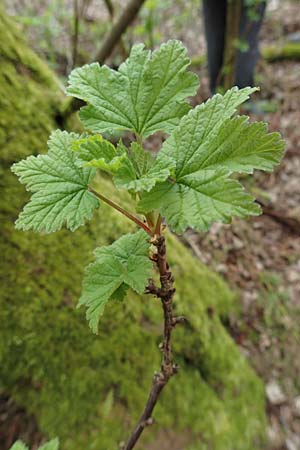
[215, 12]
[249, 30]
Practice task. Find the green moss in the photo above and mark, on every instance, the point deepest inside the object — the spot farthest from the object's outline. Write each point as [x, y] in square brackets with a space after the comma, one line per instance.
[89, 390]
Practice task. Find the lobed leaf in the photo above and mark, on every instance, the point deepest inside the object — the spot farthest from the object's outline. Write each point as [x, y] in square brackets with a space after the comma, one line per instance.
[199, 129]
[59, 186]
[242, 147]
[198, 201]
[147, 94]
[95, 151]
[132, 168]
[140, 173]
[208, 146]
[117, 267]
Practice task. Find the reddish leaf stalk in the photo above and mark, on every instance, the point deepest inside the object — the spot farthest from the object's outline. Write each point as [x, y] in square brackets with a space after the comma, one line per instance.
[122, 211]
[158, 226]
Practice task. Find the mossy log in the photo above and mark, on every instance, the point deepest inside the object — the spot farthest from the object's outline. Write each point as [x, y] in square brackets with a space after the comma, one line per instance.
[88, 389]
[287, 51]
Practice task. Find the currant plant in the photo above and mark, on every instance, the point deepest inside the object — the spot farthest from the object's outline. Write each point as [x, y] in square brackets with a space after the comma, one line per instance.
[190, 183]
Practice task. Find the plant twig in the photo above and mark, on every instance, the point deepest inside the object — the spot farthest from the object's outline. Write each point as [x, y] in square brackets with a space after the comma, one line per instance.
[121, 210]
[168, 368]
[111, 10]
[110, 7]
[128, 15]
[281, 216]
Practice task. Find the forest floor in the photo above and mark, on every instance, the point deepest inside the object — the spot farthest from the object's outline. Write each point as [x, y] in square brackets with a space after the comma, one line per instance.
[261, 256]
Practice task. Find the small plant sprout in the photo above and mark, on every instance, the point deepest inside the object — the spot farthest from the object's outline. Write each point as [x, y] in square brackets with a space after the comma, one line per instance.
[189, 183]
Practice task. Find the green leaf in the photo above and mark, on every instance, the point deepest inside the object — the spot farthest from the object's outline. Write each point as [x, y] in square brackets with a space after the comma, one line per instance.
[132, 168]
[147, 94]
[241, 147]
[209, 116]
[201, 126]
[199, 201]
[140, 173]
[95, 151]
[19, 446]
[59, 186]
[208, 146]
[117, 267]
[142, 160]
[120, 293]
[51, 445]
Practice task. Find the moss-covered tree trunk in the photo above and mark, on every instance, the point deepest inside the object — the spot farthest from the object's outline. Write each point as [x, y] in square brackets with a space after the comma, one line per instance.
[89, 390]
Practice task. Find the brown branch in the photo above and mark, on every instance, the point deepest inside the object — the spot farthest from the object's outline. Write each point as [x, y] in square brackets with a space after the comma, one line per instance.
[78, 13]
[113, 37]
[280, 216]
[127, 17]
[111, 10]
[151, 288]
[166, 293]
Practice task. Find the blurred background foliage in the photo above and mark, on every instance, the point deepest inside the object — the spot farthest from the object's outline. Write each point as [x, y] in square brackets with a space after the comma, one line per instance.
[50, 26]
